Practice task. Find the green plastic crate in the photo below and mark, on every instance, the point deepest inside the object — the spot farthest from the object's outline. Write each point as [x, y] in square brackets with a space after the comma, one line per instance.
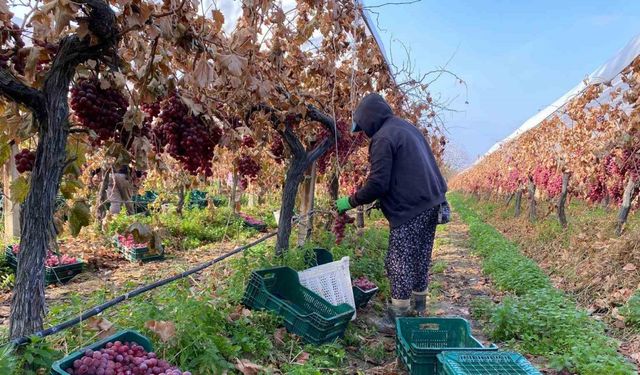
[305, 313]
[197, 199]
[362, 297]
[59, 367]
[52, 275]
[420, 340]
[485, 363]
[136, 254]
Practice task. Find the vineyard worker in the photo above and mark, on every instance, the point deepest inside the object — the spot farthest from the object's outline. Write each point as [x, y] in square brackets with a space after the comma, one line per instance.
[406, 180]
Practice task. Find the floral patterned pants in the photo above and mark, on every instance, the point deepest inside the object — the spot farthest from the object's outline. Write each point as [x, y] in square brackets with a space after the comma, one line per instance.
[409, 254]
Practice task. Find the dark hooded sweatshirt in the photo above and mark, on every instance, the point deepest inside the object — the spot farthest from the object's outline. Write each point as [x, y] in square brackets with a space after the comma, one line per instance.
[403, 175]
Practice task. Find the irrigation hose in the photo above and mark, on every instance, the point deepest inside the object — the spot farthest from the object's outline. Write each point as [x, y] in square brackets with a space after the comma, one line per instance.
[98, 309]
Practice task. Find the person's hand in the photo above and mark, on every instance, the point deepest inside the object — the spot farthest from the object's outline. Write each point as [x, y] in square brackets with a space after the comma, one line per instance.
[343, 205]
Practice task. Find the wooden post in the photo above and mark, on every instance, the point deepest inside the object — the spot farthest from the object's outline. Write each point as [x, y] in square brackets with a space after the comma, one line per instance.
[360, 220]
[532, 201]
[562, 216]
[518, 208]
[307, 201]
[627, 198]
[11, 210]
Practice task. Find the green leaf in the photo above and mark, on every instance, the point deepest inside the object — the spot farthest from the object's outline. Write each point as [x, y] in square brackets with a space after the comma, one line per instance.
[80, 216]
[69, 187]
[19, 189]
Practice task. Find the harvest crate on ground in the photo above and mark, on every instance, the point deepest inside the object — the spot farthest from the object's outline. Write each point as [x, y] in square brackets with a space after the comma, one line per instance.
[137, 252]
[305, 313]
[52, 275]
[420, 340]
[484, 363]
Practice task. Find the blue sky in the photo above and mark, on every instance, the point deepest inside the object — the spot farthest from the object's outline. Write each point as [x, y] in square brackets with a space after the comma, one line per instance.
[517, 57]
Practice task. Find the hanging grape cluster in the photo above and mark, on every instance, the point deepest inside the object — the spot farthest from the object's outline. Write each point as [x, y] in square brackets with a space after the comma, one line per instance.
[346, 145]
[247, 168]
[276, 148]
[184, 136]
[16, 55]
[25, 160]
[248, 141]
[339, 225]
[100, 110]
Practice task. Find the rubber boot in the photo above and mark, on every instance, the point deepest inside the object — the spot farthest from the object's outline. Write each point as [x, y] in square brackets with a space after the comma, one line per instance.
[419, 303]
[387, 323]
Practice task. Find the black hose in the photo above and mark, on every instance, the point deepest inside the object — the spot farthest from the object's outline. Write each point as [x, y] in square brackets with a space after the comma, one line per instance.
[98, 309]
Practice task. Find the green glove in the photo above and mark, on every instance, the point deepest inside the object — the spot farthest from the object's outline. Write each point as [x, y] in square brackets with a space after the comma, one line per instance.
[343, 205]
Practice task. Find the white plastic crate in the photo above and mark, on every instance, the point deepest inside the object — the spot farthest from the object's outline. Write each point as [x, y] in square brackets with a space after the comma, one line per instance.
[331, 281]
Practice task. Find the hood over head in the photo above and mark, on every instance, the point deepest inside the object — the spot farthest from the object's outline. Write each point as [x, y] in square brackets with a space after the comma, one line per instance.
[370, 114]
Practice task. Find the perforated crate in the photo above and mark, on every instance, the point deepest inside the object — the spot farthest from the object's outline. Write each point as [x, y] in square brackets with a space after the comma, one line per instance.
[484, 363]
[321, 256]
[331, 281]
[305, 313]
[420, 340]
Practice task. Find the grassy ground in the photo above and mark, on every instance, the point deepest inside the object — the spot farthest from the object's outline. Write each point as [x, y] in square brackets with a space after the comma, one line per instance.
[537, 318]
[213, 332]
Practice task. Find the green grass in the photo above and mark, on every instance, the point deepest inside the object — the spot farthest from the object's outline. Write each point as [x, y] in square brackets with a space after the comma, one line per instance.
[439, 266]
[535, 317]
[195, 228]
[210, 335]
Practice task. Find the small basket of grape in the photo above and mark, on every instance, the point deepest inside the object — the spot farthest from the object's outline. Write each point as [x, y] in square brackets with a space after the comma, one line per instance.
[58, 268]
[126, 352]
[363, 291]
[134, 251]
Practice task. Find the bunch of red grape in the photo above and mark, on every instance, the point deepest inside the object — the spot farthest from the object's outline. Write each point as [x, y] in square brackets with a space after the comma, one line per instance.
[17, 54]
[363, 283]
[98, 109]
[247, 141]
[347, 144]
[185, 136]
[118, 358]
[248, 168]
[276, 148]
[25, 160]
[129, 242]
[339, 225]
[52, 260]
[547, 180]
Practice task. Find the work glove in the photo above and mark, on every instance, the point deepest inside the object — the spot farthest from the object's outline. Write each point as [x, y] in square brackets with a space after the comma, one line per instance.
[343, 205]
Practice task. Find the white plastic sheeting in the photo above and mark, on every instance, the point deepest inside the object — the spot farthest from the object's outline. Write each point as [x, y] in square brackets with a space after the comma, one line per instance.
[609, 72]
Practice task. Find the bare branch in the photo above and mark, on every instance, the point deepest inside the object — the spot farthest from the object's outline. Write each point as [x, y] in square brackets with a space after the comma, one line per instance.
[17, 91]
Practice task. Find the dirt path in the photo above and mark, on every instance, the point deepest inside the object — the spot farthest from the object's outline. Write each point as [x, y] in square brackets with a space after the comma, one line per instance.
[455, 281]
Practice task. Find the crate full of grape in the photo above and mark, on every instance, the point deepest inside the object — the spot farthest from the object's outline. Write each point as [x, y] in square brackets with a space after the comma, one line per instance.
[126, 352]
[134, 251]
[58, 268]
[363, 291]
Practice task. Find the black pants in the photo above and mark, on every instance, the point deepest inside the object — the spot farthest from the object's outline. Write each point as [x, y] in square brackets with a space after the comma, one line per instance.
[409, 254]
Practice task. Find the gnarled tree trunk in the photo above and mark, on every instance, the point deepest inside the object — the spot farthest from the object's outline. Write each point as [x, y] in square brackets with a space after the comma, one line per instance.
[532, 201]
[50, 107]
[307, 201]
